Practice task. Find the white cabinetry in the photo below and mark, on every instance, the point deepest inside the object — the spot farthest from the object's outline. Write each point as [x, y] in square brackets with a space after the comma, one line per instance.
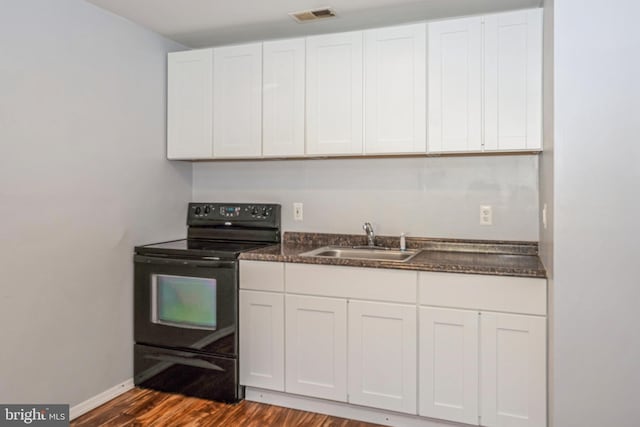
[382, 355]
[395, 89]
[485, 83]
[190, 104]
[237, 108]
[334, 94]
[476, 363]
[513, 370]
[449, 364]
[455, 85]
[261, 326]
[513, 81]
[458, 347]
[283, 98]
[262, 339]
[316, 347]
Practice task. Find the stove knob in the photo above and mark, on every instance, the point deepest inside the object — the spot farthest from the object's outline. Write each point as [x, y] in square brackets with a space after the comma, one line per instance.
[254, 211]
[207, 209]
[198, 210]
[265, 212]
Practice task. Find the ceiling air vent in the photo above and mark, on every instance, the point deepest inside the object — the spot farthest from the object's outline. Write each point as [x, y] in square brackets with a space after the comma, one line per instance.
[313, 15]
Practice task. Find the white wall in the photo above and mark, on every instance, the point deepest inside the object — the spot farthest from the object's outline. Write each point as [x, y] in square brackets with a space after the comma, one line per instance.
[436, 197]
[83, 177]
[597, 213]
[546, 187]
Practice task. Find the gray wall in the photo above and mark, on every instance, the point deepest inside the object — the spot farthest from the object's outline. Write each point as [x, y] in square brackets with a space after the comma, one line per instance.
[437, 197]
[83, 177]
[597, 210]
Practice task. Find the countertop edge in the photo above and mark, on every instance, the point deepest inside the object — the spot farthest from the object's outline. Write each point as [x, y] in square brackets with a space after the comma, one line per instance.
[259, 255]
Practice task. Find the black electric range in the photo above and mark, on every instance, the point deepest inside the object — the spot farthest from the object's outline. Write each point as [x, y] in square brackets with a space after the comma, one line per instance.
[186, 300]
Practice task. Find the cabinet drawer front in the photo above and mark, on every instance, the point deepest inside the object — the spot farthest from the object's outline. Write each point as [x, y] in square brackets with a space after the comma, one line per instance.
[262, 276]
[477, 292]
[352, 282]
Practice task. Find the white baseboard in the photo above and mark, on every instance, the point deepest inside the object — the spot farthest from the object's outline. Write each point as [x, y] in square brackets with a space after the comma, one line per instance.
[343, 410]
[97, 400]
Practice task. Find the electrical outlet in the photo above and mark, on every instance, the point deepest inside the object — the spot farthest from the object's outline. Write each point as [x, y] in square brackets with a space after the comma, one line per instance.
[486, 215]
[297, 211]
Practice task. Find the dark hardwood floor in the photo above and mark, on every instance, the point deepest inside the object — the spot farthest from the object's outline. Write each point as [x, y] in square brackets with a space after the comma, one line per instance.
[140, 407]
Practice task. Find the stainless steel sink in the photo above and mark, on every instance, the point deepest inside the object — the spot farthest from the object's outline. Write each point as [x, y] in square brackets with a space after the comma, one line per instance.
[362, 252]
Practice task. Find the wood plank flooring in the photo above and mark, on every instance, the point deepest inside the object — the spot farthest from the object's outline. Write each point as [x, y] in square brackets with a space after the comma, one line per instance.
[141, 407]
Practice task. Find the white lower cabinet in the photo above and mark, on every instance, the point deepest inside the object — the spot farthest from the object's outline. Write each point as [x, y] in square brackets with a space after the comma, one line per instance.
[262, 339]
[449, 364]
[513, 370]
[316, 347]
[382, 355]
[395, 341]
[482, 367]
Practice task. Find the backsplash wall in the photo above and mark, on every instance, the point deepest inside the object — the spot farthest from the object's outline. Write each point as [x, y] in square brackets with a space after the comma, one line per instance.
[433, 197]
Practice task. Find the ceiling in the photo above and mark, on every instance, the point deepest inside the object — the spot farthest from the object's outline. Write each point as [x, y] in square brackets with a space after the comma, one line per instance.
[200, 23]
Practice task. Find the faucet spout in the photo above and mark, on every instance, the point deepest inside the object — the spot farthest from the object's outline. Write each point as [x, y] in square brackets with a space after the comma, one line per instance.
[371, 237]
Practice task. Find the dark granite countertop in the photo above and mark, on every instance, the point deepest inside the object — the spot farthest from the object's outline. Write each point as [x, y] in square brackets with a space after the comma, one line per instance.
[499, 258]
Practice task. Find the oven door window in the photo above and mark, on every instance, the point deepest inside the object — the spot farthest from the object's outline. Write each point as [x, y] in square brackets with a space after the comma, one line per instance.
[187, 302]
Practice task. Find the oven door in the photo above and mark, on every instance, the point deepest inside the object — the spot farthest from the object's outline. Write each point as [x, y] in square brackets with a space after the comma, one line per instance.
[186, 303]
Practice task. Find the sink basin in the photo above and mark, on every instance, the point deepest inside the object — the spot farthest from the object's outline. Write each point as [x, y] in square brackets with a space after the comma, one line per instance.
[374, 254]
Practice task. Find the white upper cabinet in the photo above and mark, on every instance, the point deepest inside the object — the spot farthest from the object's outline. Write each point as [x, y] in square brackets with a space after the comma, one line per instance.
[237, 108]
[463, 85]
[334, 94]
[283, 98]
[485, 83]
[455, 85]
[395, 90]
[190, 104]
[513, 80]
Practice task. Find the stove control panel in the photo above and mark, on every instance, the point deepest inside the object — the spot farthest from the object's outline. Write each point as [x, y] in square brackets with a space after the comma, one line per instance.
[248, 214]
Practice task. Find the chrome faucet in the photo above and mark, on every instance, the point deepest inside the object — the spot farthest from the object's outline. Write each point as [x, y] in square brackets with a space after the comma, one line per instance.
[371, 237]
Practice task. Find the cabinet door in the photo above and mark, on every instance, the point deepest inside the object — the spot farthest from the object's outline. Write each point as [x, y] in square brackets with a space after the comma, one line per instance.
[237, 109]
[513, 370]
[334, 94]
[283, 98]
[449, 364]
[317, 347]
[455, 85]
[382, 356]
[262, 339]
[395, 88]
[190, 104]
[513, 80]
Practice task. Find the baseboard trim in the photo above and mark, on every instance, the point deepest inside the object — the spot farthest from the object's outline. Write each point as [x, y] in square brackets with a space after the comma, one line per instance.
[97, 400]
[343, 410]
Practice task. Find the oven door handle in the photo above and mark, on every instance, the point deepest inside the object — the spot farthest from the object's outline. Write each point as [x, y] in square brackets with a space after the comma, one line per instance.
[197, 363]
[209, 263]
